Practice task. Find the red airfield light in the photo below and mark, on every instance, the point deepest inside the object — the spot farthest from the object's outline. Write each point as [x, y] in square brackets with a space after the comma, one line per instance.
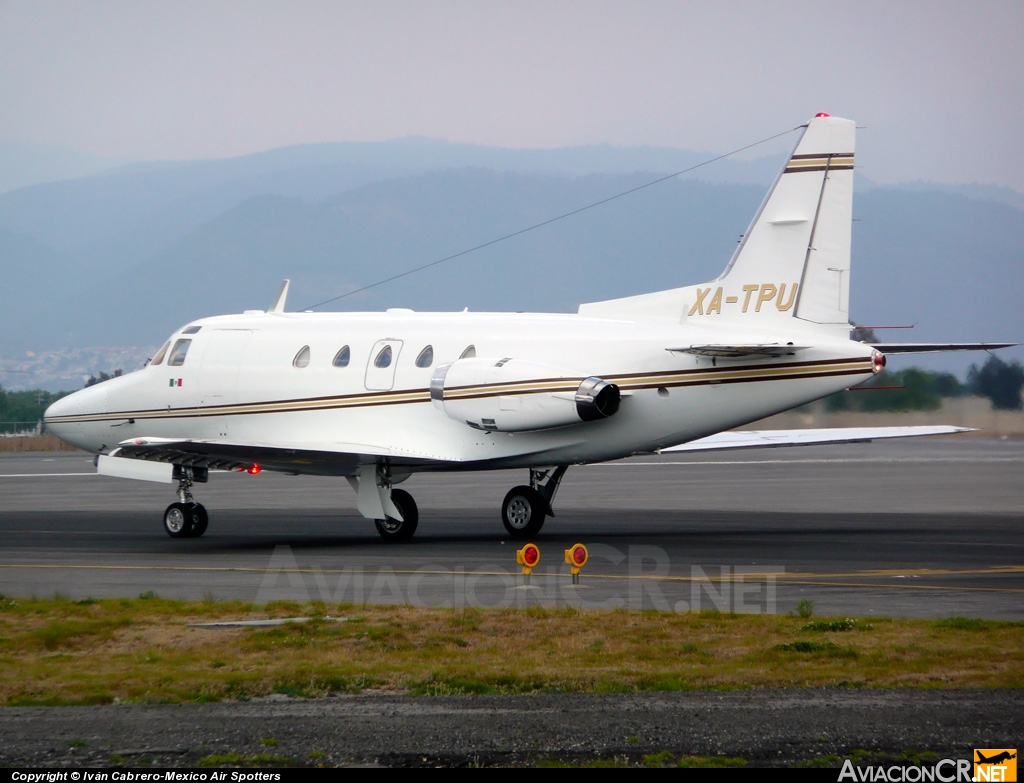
[576, 556]
[531, 555]
[528, 557]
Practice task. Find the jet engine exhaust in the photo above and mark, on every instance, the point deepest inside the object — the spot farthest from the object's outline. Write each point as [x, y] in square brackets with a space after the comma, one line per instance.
[597, 399]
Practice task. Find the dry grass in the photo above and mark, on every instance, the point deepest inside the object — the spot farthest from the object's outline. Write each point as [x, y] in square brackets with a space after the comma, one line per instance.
[64, 652]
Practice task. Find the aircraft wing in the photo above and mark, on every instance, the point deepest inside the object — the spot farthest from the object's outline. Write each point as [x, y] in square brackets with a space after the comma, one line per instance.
[736, 351]
[329, 459]
[937, 347]
[752, 439]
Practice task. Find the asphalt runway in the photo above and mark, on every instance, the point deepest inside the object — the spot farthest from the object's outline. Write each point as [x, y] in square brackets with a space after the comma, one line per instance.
[927, 528]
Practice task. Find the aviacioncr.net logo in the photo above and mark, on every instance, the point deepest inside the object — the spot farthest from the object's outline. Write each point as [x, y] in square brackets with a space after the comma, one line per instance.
[995, 764]
[944, 771]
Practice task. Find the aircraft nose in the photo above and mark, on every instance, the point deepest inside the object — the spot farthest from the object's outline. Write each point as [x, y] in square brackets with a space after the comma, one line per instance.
[88, 401]
[59, 408]
[61, 418]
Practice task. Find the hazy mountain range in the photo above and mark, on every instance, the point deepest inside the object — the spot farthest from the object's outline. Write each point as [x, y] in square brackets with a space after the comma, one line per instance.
[124, 256]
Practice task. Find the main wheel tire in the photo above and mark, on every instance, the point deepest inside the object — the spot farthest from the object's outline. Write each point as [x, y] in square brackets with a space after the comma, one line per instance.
[178, 520]
[200, 520]
[393, 529]
[523, 512]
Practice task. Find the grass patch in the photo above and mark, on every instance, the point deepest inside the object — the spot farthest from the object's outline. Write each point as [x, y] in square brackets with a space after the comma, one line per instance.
[837, 626]
[711, 762]
[830, 649]
[962, 624]
[143, 650]
[238, 760]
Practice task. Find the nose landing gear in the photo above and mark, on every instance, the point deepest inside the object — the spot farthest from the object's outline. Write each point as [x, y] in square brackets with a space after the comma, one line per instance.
[186, 518]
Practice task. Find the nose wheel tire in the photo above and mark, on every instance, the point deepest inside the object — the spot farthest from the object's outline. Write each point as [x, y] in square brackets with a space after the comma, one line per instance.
[394, 530]
[523, 512]
[185, 520]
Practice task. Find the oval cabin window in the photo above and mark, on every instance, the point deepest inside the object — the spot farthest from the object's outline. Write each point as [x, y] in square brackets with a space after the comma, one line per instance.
[469, 353]
[341, 357]
[383, 358]
[302, 357]
[426, 357]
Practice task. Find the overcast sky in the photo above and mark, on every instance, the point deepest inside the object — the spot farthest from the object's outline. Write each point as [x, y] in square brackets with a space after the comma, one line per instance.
[938, 85]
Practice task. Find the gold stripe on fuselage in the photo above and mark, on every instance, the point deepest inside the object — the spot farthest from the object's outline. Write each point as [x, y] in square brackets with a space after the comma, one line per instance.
[671, 379]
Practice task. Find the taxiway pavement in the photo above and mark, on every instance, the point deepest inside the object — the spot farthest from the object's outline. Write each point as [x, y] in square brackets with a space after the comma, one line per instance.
[930, 528]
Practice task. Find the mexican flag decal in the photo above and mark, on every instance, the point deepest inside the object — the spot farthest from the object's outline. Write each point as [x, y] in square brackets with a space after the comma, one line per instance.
[175, 382]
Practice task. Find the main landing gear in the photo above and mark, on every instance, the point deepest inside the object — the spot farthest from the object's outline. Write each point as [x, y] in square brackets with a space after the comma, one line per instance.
[523, 512]
[525, 508]
[186, 518]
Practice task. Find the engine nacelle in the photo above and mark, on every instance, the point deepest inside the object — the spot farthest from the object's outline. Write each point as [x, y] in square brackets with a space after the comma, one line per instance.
[511, 395]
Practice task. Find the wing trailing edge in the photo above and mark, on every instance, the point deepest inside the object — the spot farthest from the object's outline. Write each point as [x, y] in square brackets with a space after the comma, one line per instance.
[753, 439]
[937, 347]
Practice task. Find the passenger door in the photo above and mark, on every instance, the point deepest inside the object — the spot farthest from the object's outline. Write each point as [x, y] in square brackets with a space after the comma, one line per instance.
[380, 368]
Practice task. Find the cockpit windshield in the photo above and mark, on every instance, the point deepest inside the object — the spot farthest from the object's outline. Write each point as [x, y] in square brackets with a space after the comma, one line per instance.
[160, 354]
[177, 357]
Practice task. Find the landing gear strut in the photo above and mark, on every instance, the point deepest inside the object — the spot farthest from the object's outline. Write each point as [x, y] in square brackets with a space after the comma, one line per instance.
[186, 518]
[525, 508]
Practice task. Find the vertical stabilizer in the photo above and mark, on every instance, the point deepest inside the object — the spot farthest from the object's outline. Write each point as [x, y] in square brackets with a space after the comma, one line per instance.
[792, 268]
[794, 260]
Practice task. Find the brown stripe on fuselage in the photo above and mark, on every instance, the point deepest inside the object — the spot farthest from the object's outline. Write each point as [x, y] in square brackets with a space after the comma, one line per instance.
[670, 379]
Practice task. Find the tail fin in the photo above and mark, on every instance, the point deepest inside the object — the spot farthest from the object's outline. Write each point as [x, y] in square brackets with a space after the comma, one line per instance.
[795, 257]
[794, 260]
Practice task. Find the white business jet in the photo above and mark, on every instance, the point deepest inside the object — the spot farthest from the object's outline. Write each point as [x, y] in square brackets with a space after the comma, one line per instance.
[375, 397]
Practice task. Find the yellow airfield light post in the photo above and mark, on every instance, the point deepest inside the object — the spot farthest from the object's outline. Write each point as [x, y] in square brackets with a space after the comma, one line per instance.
[576, 556]
[528, 557]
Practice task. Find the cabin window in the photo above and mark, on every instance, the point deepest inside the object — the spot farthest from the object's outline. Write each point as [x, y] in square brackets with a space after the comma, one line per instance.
[383, 358]
[178, 353]
[160, 354]
[341, 357]
[426, 357]
[191, 330]
[302, 357]
[469, 353]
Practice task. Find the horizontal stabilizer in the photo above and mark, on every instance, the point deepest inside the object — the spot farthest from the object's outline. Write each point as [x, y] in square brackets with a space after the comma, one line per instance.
[938, 347]
[737, 351]
[753, 439]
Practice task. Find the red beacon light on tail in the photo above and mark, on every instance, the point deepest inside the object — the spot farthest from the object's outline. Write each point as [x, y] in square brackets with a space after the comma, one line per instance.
[877, 362]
